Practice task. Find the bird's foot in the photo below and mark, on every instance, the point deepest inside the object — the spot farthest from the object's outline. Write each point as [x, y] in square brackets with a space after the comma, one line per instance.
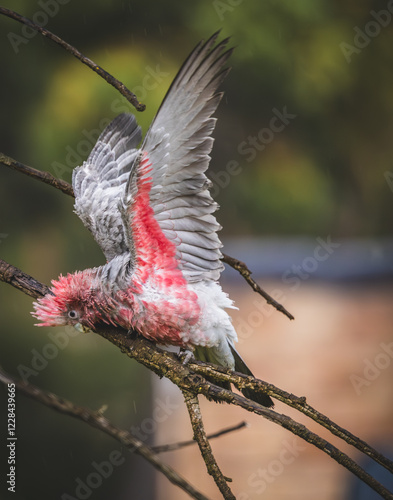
[132, 334]
[186, 355]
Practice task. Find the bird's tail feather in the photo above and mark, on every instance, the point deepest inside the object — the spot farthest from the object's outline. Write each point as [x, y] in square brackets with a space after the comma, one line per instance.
[257, 396]
[209, 355]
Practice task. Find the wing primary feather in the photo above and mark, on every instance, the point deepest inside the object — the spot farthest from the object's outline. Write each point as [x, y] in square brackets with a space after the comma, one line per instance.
[177, 147]
[100, 182]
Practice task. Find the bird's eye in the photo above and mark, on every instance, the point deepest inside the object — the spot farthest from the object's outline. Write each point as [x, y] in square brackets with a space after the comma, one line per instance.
[72, 314]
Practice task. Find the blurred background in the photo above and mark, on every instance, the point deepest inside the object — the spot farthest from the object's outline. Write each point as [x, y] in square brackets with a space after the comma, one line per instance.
[302, 167]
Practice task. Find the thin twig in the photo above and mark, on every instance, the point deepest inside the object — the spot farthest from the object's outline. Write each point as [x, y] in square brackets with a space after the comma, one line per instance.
[22, 281]
[46, 177]
[182, 444]
[200, 437]
[67, 189]
[246, 273]
[167, 364]
[100, 422]
[124, 91]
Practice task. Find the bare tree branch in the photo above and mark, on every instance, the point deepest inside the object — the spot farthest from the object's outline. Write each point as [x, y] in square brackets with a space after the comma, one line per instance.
[188, 380]
[324, 445]
[242, 381]
[72, 50]
[98, 421]
[182, 444]
[246, 273]
[200, 437]
[22, 281]
[46, 177]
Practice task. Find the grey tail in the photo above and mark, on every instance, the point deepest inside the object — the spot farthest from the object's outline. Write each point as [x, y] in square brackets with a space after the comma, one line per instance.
[207, 355]
[257, 396]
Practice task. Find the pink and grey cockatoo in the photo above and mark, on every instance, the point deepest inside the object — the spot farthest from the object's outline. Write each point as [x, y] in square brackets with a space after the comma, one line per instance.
[151, 212]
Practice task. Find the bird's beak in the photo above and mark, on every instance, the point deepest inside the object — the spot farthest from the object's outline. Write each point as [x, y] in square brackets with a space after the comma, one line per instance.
[82, 328]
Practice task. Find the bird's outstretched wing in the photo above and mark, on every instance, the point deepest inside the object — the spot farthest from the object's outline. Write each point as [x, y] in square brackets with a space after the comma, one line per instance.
[168, 204]
[99, 184]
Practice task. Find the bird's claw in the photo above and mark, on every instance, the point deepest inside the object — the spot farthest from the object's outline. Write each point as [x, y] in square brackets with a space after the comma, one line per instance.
[187, 356]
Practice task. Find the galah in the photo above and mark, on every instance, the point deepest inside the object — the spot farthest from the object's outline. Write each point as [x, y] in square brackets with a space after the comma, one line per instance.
[151, 212]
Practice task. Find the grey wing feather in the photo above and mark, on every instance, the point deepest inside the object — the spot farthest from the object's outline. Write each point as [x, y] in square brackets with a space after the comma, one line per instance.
[99, 184]
[178, 145]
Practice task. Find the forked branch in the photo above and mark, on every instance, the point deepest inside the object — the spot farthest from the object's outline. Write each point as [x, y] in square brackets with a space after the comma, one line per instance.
[181, 444]
[200, 437]
[189, 381]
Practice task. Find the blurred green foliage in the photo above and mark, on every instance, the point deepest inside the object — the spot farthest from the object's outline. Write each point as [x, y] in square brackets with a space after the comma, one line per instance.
[288, 54]
[323, 173]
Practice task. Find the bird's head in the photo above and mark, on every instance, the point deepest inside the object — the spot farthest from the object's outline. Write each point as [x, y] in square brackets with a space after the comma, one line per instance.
[69, 302]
